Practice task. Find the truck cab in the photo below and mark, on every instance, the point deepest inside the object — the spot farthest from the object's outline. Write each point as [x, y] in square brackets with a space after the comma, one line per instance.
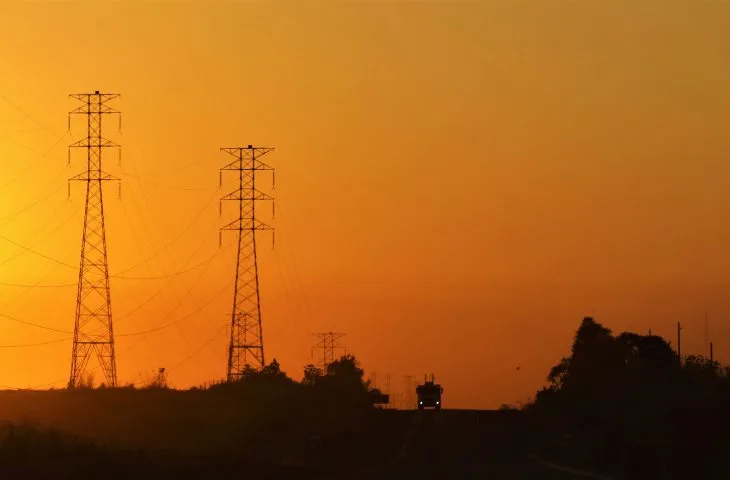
[429, 394]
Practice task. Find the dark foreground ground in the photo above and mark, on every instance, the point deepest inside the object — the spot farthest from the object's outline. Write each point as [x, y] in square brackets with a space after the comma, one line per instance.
[465, 444]
[450, 444]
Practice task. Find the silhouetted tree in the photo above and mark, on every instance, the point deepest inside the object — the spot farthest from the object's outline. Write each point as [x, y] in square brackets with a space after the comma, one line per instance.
[344, 382]
[273, 369]
[559, 374]
[311, 374]
[631, 399]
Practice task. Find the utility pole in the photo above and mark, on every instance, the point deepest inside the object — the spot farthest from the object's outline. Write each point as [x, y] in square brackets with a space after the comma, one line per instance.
[93, 332]
[712, 359]
[679, 343]
[328, 343]
[246, 346]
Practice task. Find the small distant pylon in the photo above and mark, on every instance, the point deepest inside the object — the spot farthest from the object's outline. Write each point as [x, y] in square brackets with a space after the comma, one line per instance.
[246, 347]
[328, 343]
[93, 332]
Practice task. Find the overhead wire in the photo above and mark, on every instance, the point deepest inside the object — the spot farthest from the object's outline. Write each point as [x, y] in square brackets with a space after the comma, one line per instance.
[29, 287]
[173, 187]
[35, 252]
[43, 226]
[29, 116]
[175, 238]
[207, 262]
[4, 133]
[146, 205]
[32, 285]
[293, 267]
[59, 262]
[36, 344]
[9, 317]
[155, 255]
[120, 277]
[139, 247]
[9, 218]
[16, 297]
[35, 162]
[174, 322]
[286, 268]
[202, 347]
[145, 333]
[165, 171]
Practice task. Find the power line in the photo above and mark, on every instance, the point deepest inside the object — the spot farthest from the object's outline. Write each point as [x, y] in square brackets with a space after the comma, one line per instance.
[45, 236]
[196, 352]
[29, 116]
[37, 344]
[146, 204]
[35, 252]
[300, 303]
[9, 218]
[175, 238]
[41, 156]
[171, 274]
[32, 285]
[167, 171]
[28, 289]
[159, 291]
[119, 277]
[184, 317]
[33, 324]
[171, 187]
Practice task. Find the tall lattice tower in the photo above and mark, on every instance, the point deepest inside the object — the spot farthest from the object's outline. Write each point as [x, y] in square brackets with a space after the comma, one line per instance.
[93, 333]
[329, 344]
[246, 348]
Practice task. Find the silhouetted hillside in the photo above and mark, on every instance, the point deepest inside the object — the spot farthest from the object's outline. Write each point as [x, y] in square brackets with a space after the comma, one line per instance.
[265, 420]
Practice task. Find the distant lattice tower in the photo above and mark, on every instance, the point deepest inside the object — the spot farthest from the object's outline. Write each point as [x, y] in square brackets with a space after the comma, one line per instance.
[93, 332]
[246, 347]
[329, 344]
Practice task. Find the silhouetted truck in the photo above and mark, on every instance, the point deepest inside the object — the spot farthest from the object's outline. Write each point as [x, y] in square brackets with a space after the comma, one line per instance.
[429, 394]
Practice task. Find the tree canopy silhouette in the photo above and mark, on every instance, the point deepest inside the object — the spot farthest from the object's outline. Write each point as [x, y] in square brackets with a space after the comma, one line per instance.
[632, 393]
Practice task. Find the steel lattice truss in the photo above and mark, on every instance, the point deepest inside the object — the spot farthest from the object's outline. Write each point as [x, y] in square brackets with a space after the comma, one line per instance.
[328, 343]
[93, 332]
[246, 348]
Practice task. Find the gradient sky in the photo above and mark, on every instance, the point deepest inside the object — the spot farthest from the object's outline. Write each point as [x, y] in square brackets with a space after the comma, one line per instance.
[458, 183]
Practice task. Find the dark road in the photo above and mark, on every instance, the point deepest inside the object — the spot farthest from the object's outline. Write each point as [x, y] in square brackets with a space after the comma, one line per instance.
[464, 444]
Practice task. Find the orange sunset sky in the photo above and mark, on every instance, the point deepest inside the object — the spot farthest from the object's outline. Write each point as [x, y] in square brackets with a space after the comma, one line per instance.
[458, 183]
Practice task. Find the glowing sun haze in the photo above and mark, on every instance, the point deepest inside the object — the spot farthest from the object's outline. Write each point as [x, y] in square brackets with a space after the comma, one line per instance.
[458, 183]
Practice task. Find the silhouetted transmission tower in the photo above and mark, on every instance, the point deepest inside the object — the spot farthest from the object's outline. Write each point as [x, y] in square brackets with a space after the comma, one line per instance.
[246, 348]
[328, 343]
[93, 333]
